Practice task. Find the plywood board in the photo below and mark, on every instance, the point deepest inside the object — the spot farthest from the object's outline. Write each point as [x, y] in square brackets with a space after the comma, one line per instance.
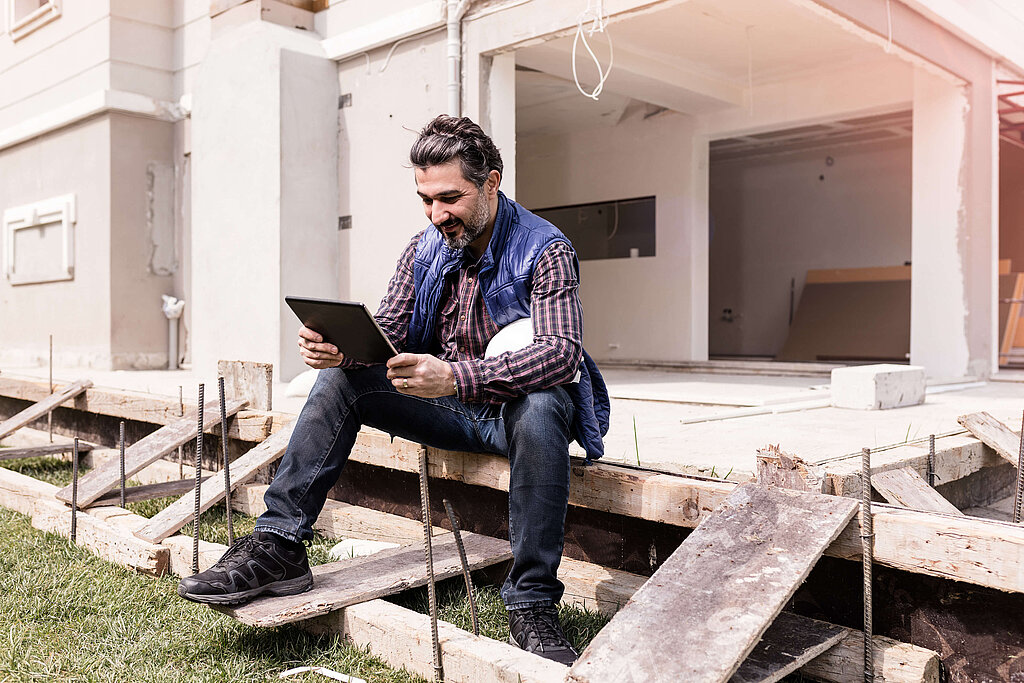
[48, 449]
[211, 492]
[349, 582]
[1011, 291]
[702, 612]
[993, 434]
[42, 407]
[850, 321]
[903, 486]
[874, 274]
[789, 643]
[141, 453]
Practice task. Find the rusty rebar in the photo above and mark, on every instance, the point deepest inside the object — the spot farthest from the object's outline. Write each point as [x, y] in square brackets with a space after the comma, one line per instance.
[867, 553]
[199, 475]
[1019, 499]
[121, 447]
[465, 565]
[224, 449]
[429, 552]
[931, 460]
[74, 492]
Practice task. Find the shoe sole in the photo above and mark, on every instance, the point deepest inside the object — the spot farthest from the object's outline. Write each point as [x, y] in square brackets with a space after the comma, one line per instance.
[294, 586]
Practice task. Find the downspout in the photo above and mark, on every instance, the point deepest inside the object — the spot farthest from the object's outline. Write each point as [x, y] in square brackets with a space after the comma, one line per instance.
[456, 10]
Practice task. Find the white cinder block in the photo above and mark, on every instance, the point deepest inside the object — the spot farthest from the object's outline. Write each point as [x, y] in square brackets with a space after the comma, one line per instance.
[878, 387]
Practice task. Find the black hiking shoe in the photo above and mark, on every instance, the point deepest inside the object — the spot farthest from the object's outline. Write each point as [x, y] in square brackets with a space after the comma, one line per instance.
[262, 563]
[537, 630]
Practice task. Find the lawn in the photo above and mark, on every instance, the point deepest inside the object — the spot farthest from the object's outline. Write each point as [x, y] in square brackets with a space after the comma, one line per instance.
[68, 615]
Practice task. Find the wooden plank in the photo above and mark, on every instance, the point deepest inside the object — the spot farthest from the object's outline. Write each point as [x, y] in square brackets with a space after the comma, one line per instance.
[874, 274]
[789, 643]
[904, 486]
[342, 520]
[895, 662]
[1009, 312]
[349, 582]
[249, 381]
[775, 468]
[705, 608]
[42, 407]
[993, 434]
[211, 492]
[133, 494]
[141, 453]
[248, 425]
[48, 449]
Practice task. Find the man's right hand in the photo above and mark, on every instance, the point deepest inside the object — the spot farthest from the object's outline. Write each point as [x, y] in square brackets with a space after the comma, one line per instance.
[316, 353]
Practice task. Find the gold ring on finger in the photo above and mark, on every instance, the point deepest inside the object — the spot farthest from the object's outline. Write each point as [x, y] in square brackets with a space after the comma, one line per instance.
[405, 383]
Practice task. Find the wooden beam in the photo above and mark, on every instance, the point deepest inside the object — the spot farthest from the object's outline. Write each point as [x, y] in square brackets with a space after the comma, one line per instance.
[211, 492]
[348, 582]
[904, 486]
[249, 381]
[993, 434]
[48, 449]
[248, 425]
[133, 494]
[789, 643]
[141, 453]
[703, 611]
[775, 468]
[42, 407]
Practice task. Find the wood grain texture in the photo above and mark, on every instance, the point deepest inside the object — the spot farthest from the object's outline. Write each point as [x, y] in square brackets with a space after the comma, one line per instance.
[895, 662]
[211, 492]
[904, 486]
[993, 434]
[705, 608]
[48, 449]
[248, 425]
[133, 494]
[343, 520]
[248, 380]
[141, 453]
[339, 584]
[776, 468]
[42, 407]
[789, 643]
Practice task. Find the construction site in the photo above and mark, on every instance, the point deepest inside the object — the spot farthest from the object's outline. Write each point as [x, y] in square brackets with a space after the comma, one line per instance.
[799, 227]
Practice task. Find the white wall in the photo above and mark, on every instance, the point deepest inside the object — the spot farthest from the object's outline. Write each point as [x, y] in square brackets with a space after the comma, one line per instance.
[643, 304]
[773, 219]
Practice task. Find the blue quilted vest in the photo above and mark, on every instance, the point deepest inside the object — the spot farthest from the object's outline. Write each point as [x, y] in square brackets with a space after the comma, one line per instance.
[506, 278]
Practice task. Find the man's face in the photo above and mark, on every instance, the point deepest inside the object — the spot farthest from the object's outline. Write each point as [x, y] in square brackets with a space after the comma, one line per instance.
[460, 210]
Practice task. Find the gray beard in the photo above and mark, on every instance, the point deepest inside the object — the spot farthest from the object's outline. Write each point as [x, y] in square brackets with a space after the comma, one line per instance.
[471, 230]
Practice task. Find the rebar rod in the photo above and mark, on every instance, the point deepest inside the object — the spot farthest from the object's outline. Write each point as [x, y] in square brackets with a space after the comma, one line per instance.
[1019, 499]
[74, 492]
[121, 444]
[867, 553]
[429, 552]
[224, 449]
[199, 475]
[465, 565]
[181, 449]
[931, 460]
[49, 415]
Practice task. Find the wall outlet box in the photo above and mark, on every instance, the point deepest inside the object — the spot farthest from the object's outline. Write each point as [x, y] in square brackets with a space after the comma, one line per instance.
[878, 387]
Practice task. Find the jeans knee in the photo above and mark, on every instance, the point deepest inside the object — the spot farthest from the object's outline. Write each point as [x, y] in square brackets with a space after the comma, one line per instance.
[540, 414]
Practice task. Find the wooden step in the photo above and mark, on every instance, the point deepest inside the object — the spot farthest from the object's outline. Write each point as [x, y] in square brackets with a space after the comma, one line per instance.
[178, 513]
[789, 643]
[904, 486]
[349, 582]
[698, 617]
[42, 407]
[141, 453]
[993, 434]
[133, 494]
[48, 449]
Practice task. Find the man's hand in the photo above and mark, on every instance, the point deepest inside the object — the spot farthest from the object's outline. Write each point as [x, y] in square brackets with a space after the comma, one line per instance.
[420, 374]
[315, 352]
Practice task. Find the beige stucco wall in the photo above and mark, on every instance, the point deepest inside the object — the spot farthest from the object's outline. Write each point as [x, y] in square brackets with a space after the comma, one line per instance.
[74, 160]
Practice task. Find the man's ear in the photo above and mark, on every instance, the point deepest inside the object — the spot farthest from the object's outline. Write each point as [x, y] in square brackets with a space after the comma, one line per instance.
[492, 183]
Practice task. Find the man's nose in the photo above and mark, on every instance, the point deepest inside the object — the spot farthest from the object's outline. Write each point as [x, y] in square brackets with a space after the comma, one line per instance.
[438, 215]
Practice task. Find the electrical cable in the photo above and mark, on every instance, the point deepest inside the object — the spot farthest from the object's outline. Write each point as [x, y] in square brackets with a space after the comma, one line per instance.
[599, 25]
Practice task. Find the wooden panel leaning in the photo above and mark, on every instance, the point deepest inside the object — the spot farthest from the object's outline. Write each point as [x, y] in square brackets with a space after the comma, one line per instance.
[141, 453]
[904, 486]
[789, 643]
[211, 492]
[48, 449]
[993, 434]
[44, 406]
[699, 616]
[339, 584]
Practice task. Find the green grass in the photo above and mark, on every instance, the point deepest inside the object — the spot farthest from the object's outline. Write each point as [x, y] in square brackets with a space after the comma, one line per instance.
[70, 615]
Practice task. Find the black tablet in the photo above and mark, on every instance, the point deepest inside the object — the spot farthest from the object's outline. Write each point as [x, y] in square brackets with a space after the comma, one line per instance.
[347, 325]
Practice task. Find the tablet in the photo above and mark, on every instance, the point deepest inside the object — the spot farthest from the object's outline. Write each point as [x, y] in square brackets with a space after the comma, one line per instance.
[346, 324]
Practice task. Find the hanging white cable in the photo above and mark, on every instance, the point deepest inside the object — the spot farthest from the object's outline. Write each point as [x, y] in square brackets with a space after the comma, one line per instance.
[595, 11]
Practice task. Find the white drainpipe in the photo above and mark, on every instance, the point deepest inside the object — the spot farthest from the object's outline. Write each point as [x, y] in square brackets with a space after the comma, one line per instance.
[456, 9]
[172, 308]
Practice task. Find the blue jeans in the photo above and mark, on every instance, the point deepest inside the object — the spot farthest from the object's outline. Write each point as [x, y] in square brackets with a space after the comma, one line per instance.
[533, 431]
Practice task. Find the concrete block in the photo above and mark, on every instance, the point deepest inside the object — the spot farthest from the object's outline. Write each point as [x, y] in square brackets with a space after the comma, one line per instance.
[878, 387]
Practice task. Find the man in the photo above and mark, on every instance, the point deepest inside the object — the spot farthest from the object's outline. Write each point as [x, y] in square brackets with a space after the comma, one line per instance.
[483, 263]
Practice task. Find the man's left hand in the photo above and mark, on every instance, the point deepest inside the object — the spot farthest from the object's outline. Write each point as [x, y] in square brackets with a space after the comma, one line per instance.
[420, 374]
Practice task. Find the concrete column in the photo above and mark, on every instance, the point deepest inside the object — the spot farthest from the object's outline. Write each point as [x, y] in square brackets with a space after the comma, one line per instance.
[264, 192]
[953, 229]
[700, 246]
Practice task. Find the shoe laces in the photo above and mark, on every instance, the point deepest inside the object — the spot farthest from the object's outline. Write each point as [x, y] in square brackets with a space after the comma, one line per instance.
[544, 623]
[246, 544]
